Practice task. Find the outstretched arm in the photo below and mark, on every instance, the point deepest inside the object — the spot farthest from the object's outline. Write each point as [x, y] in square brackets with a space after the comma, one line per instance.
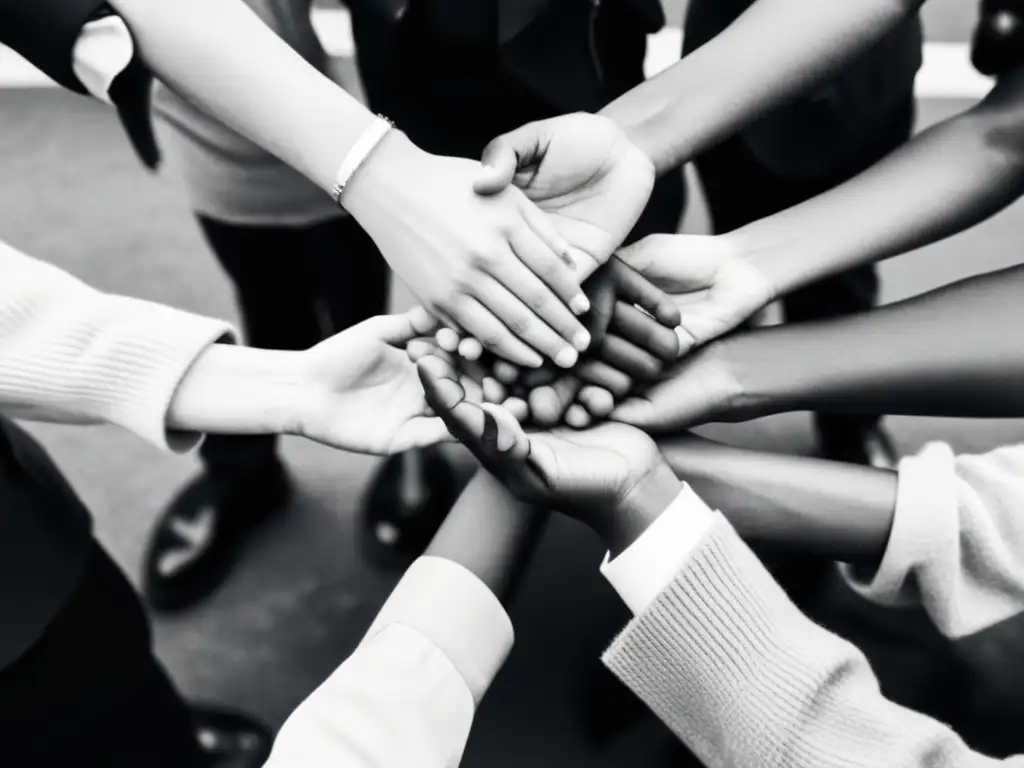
[950, 352]
[839, 511]
[407, 695]
[775, 51]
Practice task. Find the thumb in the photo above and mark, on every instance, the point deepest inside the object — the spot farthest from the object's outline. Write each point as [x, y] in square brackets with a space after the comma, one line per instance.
[400, 329]
[636, 411]
[651, 256]
[498, 167]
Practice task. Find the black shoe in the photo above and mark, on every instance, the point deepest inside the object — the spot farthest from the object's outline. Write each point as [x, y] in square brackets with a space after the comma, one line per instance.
[401, 513]
[198, 538]
[230, 739]
[998, 43]
[869, 446]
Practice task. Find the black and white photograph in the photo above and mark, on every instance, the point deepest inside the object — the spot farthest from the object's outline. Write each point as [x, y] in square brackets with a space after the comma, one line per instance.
[502, 383]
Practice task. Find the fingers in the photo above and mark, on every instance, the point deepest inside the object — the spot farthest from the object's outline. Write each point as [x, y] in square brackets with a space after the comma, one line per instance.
[471, 349]
[634, 288]
[548, 404]
[536, 251]
[510, 438]
[493, 333]
[519, 319]
[499, 164]
[599, 402]
[505, 372]
[399, 329]
[637, 411]
[644, 331]
[599, 373]
[577, 417]
[630, 359]
[447, 339]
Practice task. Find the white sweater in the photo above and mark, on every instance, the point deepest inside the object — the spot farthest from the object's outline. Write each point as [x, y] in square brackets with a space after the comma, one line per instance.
[71, 353]
[957, 541]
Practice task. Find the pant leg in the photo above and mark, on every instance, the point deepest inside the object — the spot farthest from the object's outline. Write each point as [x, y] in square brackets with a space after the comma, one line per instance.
[347, 272]
[267, 268]
[90, 693]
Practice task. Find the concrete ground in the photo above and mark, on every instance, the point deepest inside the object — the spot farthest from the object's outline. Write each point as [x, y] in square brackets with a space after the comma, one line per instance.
[72, 193]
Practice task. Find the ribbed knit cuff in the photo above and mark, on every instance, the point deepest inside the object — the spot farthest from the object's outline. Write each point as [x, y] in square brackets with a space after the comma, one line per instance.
[457, 612]
[726, 660]
[925, 526]
[131, 356]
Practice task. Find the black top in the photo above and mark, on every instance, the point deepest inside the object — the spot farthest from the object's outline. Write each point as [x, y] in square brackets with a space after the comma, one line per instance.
[45, 540]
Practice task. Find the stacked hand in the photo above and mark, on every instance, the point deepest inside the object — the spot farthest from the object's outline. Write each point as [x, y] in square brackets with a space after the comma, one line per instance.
[492, 265]
[612, 477]
[632, 324]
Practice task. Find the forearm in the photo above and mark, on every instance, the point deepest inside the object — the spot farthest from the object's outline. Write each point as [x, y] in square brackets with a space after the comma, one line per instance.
[746, 70]
[490, 533]
[73, 354]
[951, 352]
[839, 511]
[727, 662]
[945, 180]
[222, 57]
[240, 390]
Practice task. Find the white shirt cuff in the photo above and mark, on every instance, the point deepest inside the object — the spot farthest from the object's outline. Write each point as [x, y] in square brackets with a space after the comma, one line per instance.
[457, 612]
[103, 51]
[648, 565]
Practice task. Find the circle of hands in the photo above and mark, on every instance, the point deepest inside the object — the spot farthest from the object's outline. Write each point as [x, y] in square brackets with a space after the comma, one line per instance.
[578, 426]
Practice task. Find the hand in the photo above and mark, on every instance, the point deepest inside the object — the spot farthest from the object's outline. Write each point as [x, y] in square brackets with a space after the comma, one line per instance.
[631, 323]
[703, 387]
[360, 390]
[583, 172]
[490, 265]
[715, 287]
[612, 478]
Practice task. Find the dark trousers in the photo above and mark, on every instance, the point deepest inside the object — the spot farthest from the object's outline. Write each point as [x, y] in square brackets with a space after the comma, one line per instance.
[740, 190]
[294, 286]
[89, 693]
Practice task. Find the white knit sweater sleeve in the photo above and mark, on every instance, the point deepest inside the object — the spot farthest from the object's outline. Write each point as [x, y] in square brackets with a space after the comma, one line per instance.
[70, 353]
[957, 540]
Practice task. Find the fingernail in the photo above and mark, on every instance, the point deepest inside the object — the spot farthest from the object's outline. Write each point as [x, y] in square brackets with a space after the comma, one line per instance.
[533, 360]
[685, 340]
[566, 358]
[580, 304]
[581, 339]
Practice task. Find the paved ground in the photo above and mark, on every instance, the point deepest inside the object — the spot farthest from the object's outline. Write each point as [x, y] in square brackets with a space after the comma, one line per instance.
[71, 192]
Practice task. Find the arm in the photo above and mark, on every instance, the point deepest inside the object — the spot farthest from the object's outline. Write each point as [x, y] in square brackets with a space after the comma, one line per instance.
[838, 511]
[724, 658]
[746, 70]
[490, 265]
[950, 352]
[407, 695]
[76, 355]
[945, 180]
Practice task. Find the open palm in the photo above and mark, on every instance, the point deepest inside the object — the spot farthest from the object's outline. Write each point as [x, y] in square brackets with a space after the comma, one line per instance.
[367, 396]
[715, 289]
[583, 172]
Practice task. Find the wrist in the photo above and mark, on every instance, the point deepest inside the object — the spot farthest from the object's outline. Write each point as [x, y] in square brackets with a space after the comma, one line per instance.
[763, 373]
[641, 506]
[240, 390]
[370, 193]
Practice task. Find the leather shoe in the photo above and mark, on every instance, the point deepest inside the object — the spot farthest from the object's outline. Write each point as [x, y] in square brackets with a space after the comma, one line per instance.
[198, 538]
[405, 504]
[230, 739]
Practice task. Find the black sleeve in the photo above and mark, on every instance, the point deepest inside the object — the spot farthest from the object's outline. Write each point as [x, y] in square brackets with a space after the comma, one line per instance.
[45, 32]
